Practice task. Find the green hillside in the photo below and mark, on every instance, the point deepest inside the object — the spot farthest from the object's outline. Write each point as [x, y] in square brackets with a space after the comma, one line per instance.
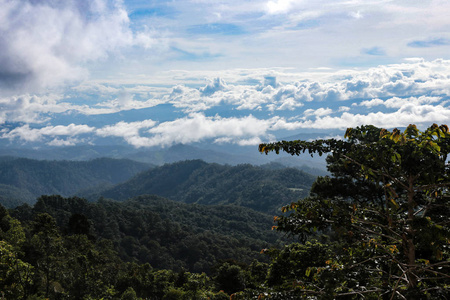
[23, 180]
[260, 188]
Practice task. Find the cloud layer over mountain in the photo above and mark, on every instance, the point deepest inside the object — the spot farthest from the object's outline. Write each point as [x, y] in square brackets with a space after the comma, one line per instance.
[389, 96]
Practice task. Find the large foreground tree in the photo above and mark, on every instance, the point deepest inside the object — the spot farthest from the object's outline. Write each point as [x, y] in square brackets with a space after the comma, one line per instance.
[385, 208]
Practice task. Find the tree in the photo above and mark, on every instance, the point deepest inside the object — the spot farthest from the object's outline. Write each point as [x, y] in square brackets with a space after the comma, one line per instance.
[46, 251]
[15, 274]
[293, 261]
[129, 294]
[90, 269]
[230, 278]
[387, 203]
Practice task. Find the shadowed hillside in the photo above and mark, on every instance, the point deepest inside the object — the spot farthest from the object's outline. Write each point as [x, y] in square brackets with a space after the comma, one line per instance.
[23, 180]
[260, 188]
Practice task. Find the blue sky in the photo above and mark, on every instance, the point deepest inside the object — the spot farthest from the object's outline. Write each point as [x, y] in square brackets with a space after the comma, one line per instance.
[157, 73]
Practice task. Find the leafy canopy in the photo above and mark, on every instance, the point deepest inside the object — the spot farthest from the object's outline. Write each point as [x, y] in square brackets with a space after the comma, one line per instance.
[387, 203]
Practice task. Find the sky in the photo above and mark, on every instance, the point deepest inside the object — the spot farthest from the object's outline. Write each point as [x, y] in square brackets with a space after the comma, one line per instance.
[158, 73]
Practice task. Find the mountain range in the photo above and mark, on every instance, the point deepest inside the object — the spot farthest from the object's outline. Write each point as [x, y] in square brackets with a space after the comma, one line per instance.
[210, 152]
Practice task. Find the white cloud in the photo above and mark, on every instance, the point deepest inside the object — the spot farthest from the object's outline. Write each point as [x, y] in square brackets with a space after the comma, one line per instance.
[124, 129]
[420, 115]
[48, 45]
[25, 133]
[32, 108]
[279, 6]
[198, 127]
[396, 102]
[95, 88]
[318, 112]
[145, 39]
[64, 142]
[356, 15]
[213, 86]
[44, 44]
[130, 132]
[249, 142]
[372, 103]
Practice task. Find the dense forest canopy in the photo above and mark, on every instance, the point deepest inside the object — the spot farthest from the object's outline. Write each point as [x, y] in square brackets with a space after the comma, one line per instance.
[164, 233]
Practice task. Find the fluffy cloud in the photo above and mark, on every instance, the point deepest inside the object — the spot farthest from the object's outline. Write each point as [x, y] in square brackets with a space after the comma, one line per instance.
[318, 112]
[279, 6]
[198, 127]
[213, 86]
[396, 102]
[398, 80]
[57, 142]
[31, 108]
[130, 132]
[194, 128]
[124, 129]
[44, 43]
[420, 115]
[25, 133]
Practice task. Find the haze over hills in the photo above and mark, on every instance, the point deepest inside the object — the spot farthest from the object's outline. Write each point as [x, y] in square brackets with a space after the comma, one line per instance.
[208, 151]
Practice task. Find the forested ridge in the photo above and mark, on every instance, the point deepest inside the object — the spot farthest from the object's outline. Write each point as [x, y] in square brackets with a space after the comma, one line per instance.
[23, 179]
[262, 188]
